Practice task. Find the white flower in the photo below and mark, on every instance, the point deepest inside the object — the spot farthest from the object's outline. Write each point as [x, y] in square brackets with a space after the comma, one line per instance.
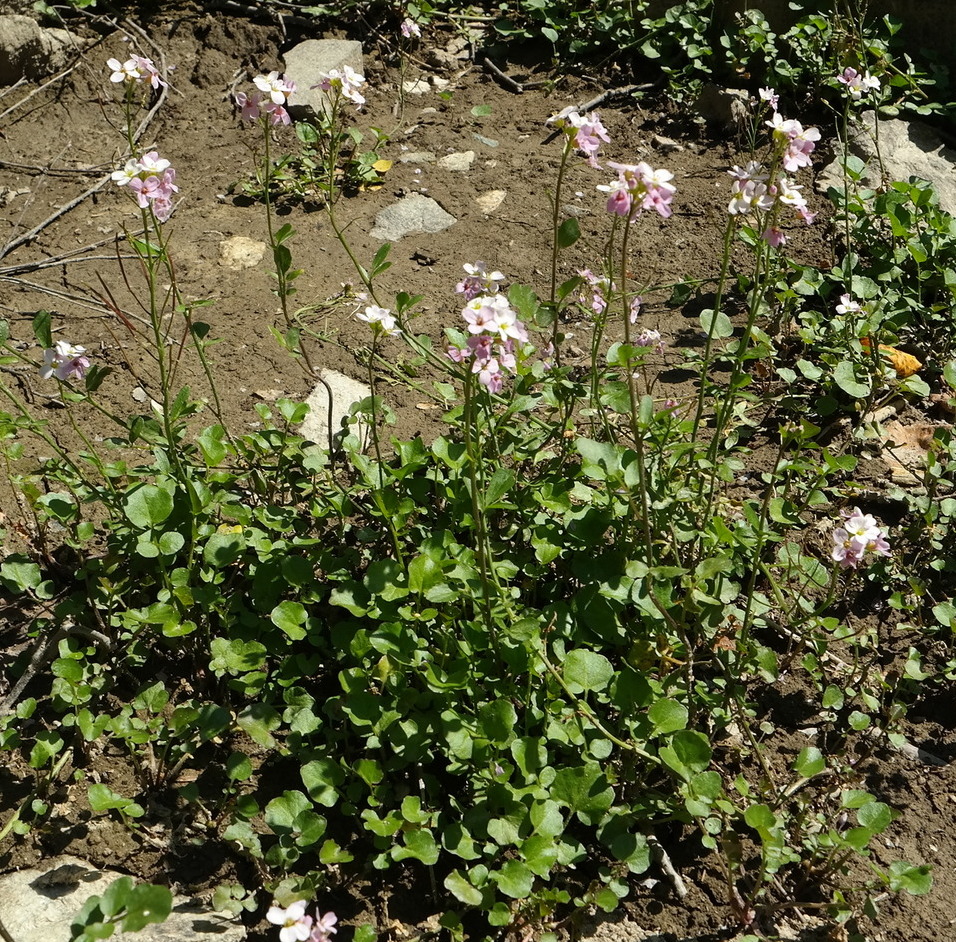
[380, 319]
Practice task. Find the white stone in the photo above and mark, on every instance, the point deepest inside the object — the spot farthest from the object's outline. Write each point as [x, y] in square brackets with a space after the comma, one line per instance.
[490, 200]
[239, 252]
[40, 906]
[309, 62]
[345, 392]
[416, 87]
[459, 162]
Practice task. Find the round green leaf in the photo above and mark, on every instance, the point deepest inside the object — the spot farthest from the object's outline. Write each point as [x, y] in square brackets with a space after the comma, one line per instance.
[587, 670]
[461, 889]
[148, 506]
[668, 716]
[290, 617]
[514, 879]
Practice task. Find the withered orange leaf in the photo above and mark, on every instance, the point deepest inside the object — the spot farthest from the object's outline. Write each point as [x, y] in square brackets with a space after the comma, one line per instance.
[905, 364]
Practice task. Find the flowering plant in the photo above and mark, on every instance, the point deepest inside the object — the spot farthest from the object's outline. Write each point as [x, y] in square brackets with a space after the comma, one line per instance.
[65, 361]
[858, 539]
[151, 179]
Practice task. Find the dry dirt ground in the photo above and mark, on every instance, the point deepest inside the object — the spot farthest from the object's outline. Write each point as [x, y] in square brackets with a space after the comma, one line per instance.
[58, 141]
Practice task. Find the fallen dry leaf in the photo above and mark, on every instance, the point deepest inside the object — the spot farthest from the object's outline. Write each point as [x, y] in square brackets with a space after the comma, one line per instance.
[905, 364]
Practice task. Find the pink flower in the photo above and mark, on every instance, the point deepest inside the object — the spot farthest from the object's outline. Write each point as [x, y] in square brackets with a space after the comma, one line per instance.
[410, 28]
[770, 96]
[478, 280]
[249, 105]
[619, 197]
[858, 85]
[860, 535]
[152, 181]
[277, 113]
[797, 154]
[650, 338]
[64, 361]
[492, 314]
[276, 87]
[600, 287]
[324, 927]
[345, 83]
[585, 130]
[489, 374]
[639, 187]
[296, 925]
[635, 310]
[148, 71]
[774, 237]
[806, 215]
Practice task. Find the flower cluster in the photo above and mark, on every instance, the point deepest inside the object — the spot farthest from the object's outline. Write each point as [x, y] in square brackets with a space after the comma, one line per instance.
[858, 85]
[595, 292]
[478, 280]
[859, 536]
[346, 83]
[380, 319]
[796, 141]
[135, 70]
[639, 187]
[754, 191]
[152, 181]
[494, 332]
[650, 338]
[297, 926]
[268, 101]
[584, 130]
[65, 361]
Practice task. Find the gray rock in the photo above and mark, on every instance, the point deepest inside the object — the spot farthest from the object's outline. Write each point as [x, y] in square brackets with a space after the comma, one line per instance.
[907, 149]
[308, 62]
[40, 905]
[442, 59]
[728, 107]
[345, 393]
[415, 213]
[417, 157]
[30, 52]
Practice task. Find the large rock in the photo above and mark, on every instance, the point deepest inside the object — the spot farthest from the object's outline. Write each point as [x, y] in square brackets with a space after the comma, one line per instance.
[414, 213]
[40, 905]
[907, 149]
[27, 51]
[307, 64]
[345, 392]
[726, 107]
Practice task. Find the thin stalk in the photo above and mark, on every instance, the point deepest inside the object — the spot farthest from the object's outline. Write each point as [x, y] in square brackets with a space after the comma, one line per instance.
[475, 486]
[718, 301]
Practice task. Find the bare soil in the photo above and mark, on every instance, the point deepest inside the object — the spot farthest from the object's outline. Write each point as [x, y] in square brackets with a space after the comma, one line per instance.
[63, 139]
